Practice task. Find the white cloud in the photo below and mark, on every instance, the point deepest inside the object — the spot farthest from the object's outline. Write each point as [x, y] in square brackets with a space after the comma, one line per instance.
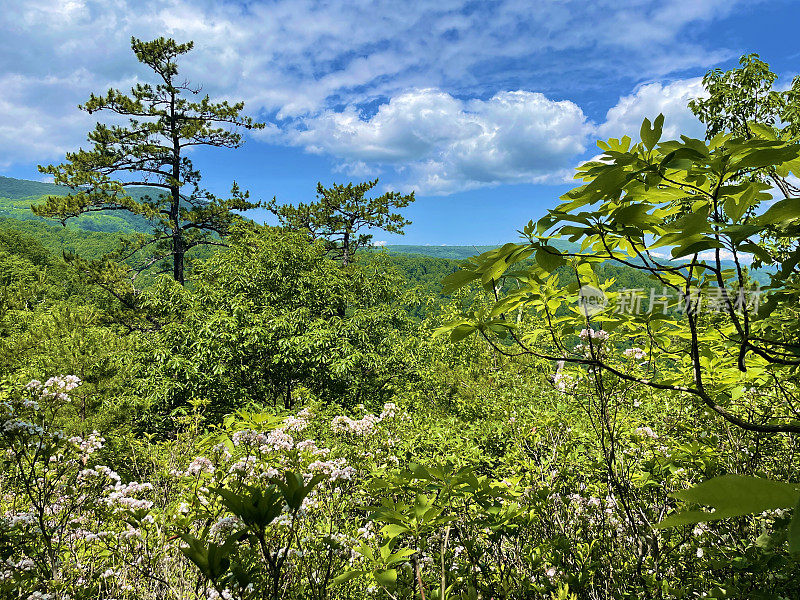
[26, 131]
[708, 255]
[439, 144]
[648, 101]
[726, 255]
[357, 169]
[303, 58]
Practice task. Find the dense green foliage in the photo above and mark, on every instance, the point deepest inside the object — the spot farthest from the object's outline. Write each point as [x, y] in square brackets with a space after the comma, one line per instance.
[706, 334]
[286, 426]
[296, 320]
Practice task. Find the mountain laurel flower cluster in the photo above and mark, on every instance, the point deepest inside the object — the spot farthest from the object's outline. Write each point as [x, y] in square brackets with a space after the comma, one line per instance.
[199, 465]
[592, 343]
[57, 387]
[635, 353]
[58, 537]
[646, 432]
[87, 447]
[365, 425]
[298, 422]
[335, 469]
[562, 380]
[295, 490]
[343, 511]
[598, 336]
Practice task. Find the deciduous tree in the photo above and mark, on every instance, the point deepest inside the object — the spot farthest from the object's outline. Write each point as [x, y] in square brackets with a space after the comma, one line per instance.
[742, 100]
[689, 198]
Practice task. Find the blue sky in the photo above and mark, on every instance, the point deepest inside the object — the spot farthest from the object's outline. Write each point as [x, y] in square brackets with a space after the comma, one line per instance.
[482, 108]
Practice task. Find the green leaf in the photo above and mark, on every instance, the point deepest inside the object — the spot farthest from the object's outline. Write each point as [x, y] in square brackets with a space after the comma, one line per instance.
[293, 490]
[421, 505]
[650, 136]
[399, 556]
[458, 279]
[766, 157]
[197, 553]
[635, 215]
[733, 496]
[549, 259]
[347, 576]
[393, 530]
[257, 508]
[782, 213]
[734, 208]
[757, 251]
[387, 578]
[462, 331]
[761, 130]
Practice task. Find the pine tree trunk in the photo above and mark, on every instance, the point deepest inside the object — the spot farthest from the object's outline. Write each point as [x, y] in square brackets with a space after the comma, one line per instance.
[346, 249]
[177, 254]
[178, 249]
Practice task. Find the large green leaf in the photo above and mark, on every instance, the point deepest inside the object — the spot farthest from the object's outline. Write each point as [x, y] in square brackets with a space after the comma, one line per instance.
[766, 157]
[733, 496]
[346, 576]
[257, 507]
[735, 207]
[461, 331]
[392, 530]
[782, 213]
[549, 258]
[387, 578]
[293, 489]
[458, 279]
[650, 136]
[695, 245]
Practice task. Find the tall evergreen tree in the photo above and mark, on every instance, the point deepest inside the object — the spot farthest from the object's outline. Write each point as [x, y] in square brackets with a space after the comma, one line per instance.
[342, 213]
[164, 120]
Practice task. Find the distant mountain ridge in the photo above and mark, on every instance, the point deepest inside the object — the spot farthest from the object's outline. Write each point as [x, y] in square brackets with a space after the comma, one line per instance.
[464, 252]
[20, 189]
[450, 252]
[17, 196]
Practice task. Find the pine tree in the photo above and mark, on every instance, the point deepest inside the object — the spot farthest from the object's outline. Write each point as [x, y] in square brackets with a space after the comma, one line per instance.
[340, 215]
[164, 120]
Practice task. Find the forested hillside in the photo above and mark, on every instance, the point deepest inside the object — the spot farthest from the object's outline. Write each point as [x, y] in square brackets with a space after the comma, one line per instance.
[415, 267]
[18, 195]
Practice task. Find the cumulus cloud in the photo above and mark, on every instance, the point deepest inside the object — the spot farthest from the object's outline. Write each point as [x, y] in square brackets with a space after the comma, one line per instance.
[650, 100]
[440, 144]
[26, 131]
[296, 59]
[726, 255]
[709, 255]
